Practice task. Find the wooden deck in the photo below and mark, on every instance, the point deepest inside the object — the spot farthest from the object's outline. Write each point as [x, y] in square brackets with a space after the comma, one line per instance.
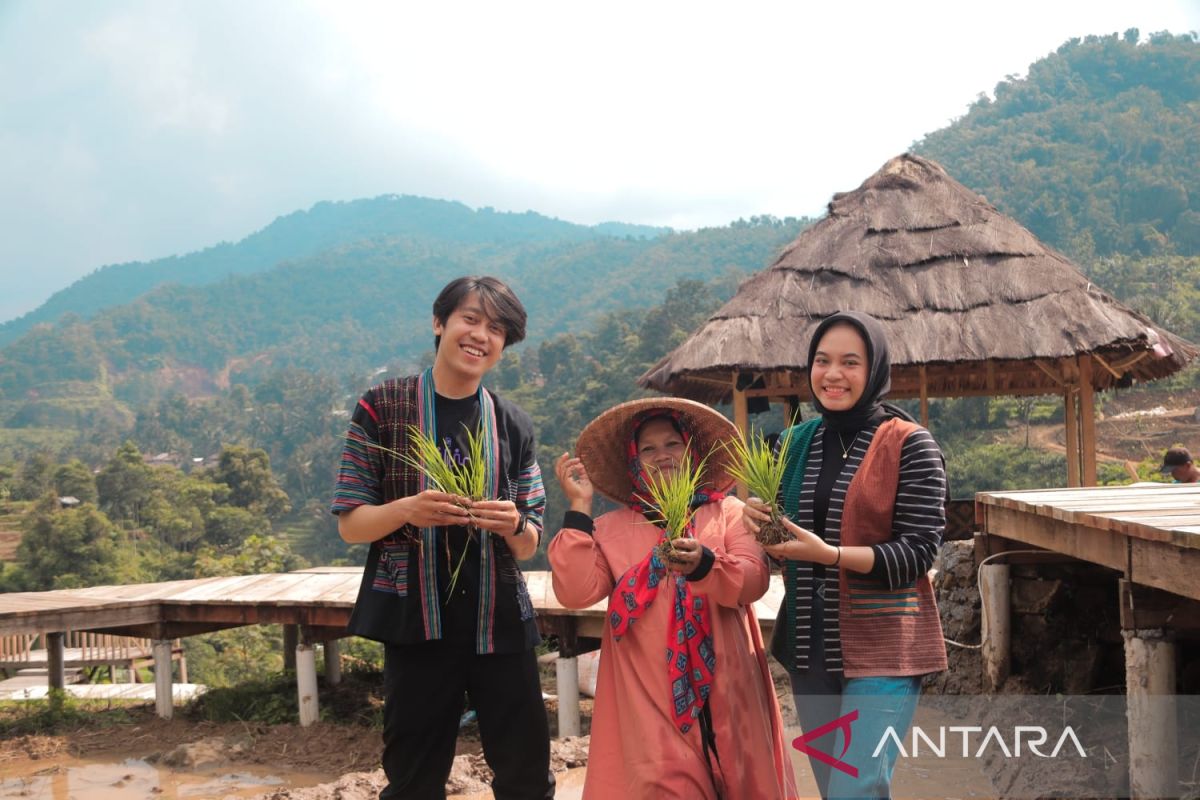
[1148, 532]
[1149, 536]
[318, 599]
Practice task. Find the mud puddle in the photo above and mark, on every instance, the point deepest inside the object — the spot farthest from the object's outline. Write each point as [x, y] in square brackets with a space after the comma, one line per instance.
[137, 779]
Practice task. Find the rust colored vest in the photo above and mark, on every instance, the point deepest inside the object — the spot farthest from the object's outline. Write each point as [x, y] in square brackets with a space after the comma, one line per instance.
[885, 632]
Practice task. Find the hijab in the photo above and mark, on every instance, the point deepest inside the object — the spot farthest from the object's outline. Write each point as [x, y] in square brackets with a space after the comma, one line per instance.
[870, 407]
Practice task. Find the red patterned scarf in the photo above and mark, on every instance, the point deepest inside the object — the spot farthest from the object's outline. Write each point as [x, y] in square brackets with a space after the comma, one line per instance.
[691, 660]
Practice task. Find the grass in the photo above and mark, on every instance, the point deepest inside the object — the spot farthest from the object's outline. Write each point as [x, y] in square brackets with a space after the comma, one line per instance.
[760, 467]
[672, 493]
[60, 713]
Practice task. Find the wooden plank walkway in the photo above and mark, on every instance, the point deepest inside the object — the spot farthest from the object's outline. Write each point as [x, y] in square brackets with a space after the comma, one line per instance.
[1150, 532]
[320, 597]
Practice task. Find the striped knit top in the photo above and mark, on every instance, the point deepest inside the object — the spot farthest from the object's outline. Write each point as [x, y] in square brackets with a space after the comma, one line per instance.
[901, 559]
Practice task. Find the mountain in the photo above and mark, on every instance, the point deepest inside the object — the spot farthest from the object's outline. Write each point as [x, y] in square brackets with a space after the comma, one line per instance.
[354, 308]
[303, 234]
[1096, 150]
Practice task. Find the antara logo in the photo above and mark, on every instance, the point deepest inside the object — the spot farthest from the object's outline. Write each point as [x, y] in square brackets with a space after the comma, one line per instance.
[1033, 737]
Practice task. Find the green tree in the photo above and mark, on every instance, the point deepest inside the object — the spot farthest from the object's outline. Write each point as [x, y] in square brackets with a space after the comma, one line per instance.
[75, 479]
[125, 485]
[68, 548]
[247, 473]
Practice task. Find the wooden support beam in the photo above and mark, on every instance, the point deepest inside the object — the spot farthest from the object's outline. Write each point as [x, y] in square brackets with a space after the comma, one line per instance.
[741, 417]
[1087, 424]
[291, 638]
[333, 662]
[1106, 365]
[925, 396]
[1144, 608]
[56, 672]
[1052, 374]
[1072, 423]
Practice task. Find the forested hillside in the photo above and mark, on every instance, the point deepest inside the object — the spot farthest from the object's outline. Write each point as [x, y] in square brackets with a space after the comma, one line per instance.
[324, 227]
[1096, 150]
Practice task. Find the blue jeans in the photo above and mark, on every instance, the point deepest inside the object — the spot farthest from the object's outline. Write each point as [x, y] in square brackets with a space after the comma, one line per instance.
[822, 698]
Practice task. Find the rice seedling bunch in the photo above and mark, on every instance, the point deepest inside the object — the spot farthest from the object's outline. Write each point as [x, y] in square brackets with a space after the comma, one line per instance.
[672, 492]
[444, 472]
[463, 477]
[760, 467]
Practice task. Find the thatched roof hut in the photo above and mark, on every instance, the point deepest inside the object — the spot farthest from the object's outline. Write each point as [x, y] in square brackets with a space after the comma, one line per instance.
[972, 302]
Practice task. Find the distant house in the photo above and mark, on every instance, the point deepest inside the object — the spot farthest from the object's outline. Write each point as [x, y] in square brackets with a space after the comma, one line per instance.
[68, 502]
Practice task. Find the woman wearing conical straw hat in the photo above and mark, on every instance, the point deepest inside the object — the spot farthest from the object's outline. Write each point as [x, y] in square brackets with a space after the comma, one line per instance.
[685, 706]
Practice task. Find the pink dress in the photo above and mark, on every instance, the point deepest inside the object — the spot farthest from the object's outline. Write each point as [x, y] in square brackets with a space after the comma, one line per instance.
[636, 749]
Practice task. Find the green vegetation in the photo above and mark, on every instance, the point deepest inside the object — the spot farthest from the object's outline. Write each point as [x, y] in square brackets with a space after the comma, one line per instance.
[759, 465]
[1094, 150]
[672, 492]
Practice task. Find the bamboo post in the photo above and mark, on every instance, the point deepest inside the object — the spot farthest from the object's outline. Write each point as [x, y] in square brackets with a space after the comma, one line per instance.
[306, 684]
[1150, 688]
[1072, 423]
[566, 678]
[1087, 423]
[164, 703]
[996, 627]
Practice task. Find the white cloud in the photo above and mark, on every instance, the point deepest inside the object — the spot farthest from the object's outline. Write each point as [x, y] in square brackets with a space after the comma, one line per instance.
[134, 130]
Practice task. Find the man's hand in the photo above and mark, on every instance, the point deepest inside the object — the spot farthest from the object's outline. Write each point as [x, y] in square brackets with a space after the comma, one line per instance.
[496, 516]
[431, 508]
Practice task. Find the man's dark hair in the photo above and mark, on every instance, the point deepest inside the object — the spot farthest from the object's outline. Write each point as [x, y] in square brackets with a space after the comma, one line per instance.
[499, 303]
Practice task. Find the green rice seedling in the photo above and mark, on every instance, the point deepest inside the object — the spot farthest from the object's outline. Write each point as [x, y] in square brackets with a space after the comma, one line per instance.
[672, 493]
[760, 467]
[463, 478]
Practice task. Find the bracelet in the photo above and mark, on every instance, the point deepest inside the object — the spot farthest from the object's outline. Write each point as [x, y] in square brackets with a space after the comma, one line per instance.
[522, 521]
[837, 560]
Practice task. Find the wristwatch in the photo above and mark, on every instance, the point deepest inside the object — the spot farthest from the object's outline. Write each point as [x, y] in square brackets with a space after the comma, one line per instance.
[521, 523]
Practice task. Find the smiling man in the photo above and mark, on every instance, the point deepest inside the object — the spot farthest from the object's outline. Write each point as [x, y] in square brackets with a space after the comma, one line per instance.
[441, 588]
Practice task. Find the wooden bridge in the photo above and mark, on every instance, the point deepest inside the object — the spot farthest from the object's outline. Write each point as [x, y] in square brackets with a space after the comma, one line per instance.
[313, 605]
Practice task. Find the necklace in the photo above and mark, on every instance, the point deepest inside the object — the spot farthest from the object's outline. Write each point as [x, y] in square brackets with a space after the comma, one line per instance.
[845, 447]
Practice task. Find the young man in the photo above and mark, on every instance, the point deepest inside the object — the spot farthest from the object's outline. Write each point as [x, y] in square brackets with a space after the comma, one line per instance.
[1177, 462]
[447, 636]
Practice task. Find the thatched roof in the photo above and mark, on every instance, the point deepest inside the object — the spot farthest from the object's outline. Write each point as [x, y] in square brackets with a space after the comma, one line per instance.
[961, 290]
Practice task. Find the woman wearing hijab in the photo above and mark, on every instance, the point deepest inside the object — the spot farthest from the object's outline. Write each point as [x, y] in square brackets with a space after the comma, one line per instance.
[703, 722]
[864, 498]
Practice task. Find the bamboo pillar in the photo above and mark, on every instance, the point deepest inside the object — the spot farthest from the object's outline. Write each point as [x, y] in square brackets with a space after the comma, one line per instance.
[1151, 713]
[306, 684]
[1087, 423]
[164, 700]
[996, 625]
[1072, 422]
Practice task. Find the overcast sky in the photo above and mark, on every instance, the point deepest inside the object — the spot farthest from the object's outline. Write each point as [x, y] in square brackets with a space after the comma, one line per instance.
[136, 130]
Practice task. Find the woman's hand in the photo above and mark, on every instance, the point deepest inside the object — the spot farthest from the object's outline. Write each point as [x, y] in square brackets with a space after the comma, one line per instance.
[575, 483]
[431, 507]
[754, 513]
[807, 546]
[685, 556]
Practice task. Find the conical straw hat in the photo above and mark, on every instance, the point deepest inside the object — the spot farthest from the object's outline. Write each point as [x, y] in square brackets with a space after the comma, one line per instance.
[603, 444]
